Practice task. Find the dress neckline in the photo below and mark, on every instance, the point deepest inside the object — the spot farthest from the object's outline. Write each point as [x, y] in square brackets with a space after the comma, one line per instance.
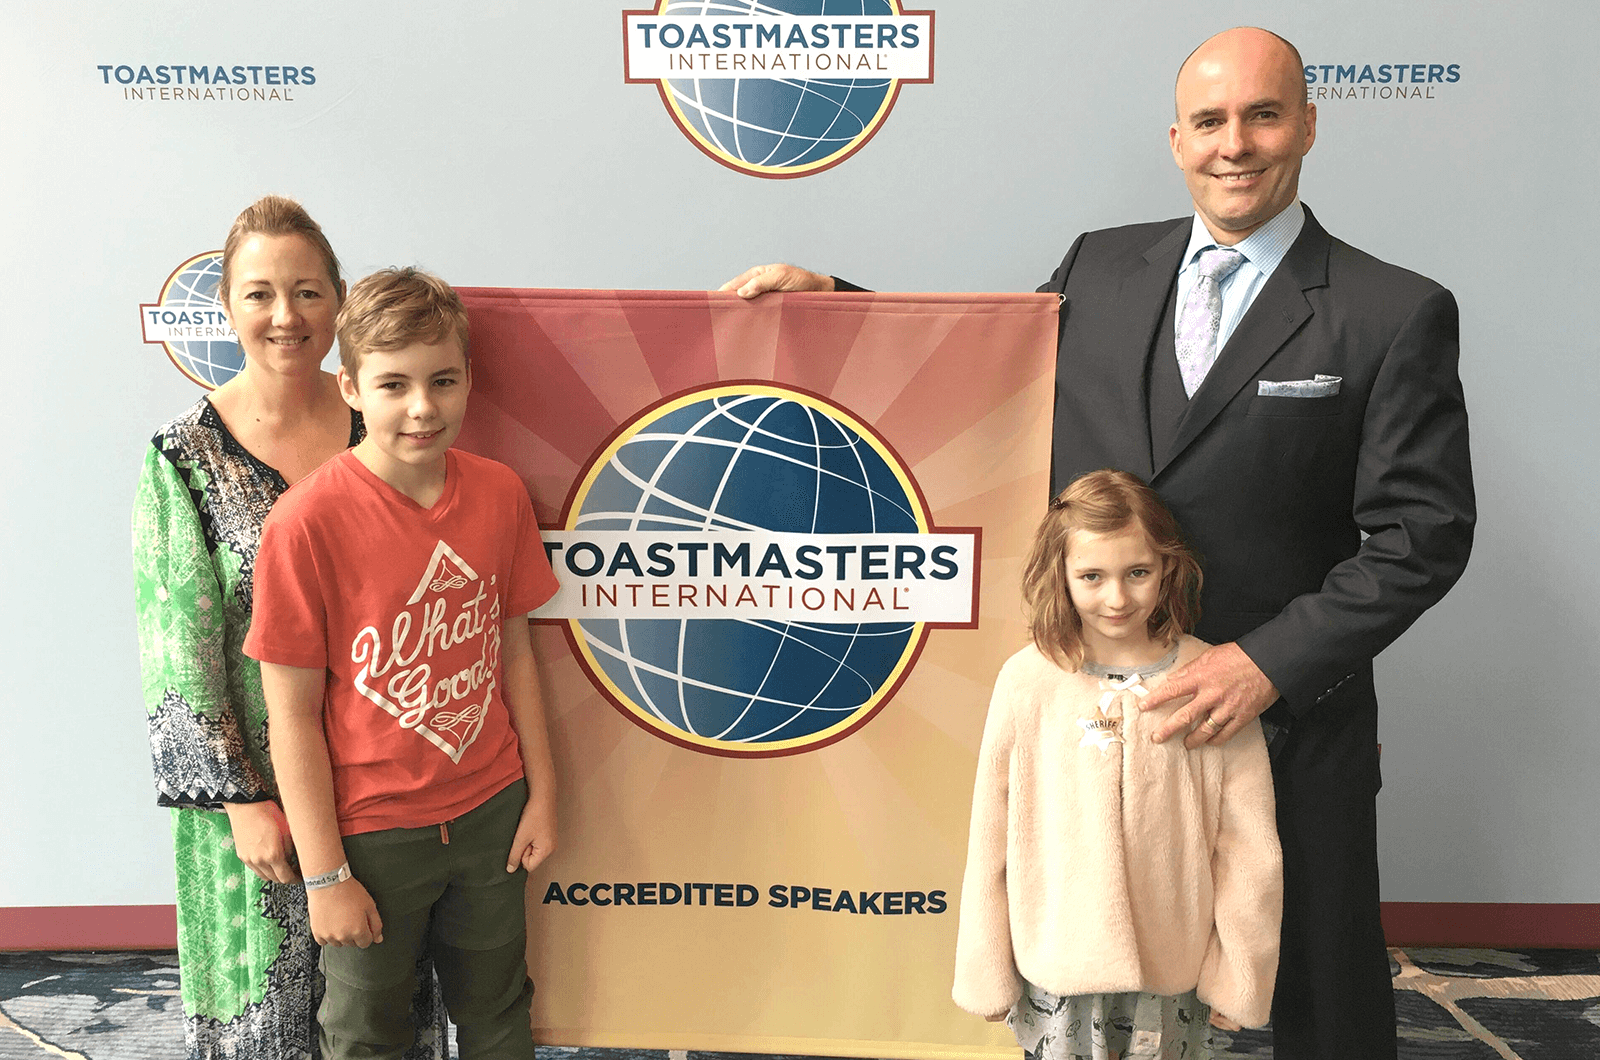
[1148, 670]
[233, 447]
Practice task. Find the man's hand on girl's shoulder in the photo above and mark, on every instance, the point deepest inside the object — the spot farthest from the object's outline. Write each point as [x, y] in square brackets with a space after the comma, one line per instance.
[1229, 691]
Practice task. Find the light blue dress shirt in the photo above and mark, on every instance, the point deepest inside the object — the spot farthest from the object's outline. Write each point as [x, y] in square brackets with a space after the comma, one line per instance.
[1263, 249]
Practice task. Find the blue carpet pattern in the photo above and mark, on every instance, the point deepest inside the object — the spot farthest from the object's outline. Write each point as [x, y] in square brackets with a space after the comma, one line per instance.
[1453, 1005]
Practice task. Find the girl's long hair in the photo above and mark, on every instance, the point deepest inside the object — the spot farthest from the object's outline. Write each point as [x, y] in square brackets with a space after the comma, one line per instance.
[1105, 502]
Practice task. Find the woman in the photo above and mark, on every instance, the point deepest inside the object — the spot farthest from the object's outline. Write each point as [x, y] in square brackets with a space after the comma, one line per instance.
[248, 963]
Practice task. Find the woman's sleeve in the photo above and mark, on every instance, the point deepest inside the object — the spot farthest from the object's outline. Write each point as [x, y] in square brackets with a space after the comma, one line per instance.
[1241, 961]
[987, 982]
[195, 744]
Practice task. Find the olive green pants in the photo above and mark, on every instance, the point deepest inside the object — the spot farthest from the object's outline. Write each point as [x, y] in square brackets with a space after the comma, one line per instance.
[455, 901]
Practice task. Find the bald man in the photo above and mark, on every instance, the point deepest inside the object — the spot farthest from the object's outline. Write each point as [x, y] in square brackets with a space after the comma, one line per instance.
[1314, 449]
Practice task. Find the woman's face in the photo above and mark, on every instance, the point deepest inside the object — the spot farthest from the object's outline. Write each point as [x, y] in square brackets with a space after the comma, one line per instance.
[282, 303]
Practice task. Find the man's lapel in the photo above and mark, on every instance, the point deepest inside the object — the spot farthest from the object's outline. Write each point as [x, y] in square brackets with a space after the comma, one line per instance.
[1276, 314]
[1141, 304]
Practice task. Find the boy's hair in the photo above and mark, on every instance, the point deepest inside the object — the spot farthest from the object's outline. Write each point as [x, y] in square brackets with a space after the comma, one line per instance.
[1105, 502]
[394, 308]
[274, 215]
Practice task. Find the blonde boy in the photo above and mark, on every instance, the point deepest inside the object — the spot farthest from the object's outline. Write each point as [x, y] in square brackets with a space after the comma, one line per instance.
[408, 737]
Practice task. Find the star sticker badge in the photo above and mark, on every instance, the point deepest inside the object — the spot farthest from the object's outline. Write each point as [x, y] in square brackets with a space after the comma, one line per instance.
[1099, 732]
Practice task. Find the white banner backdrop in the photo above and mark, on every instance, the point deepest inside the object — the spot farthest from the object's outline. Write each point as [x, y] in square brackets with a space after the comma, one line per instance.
[500, 144]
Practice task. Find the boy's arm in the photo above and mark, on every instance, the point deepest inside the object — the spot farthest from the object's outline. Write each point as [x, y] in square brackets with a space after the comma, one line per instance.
[343, 914]
[536, 831]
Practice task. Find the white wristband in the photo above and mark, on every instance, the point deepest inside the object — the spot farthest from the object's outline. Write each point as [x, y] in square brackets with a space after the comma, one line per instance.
[328, 879]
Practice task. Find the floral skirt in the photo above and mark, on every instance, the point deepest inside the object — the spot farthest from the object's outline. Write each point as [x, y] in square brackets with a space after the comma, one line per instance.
[1100, 1026]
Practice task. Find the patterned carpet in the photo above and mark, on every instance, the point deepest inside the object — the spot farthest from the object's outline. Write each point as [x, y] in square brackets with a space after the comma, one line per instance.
[1453, 1005]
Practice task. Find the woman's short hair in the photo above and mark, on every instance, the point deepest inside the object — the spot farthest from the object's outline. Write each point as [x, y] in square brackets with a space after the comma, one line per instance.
[274, 215]
[1105, 502]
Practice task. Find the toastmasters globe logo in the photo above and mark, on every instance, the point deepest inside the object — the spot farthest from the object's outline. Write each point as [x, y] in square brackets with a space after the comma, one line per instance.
[188, 320]
[748, 570]
[778, 88]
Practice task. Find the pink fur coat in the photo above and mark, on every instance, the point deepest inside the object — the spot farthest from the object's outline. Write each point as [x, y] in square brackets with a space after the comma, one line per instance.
[1099, 862]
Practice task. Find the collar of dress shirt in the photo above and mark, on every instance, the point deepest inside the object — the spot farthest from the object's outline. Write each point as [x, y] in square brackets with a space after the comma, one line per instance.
[1264, 248]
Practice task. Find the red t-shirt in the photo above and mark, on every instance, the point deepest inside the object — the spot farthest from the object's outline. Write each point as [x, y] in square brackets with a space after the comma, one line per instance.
[403, 606]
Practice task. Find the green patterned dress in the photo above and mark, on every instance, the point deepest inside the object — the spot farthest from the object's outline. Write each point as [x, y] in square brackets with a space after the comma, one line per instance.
[247, 960]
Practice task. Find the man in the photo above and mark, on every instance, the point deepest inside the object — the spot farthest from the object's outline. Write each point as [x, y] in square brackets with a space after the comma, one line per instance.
[1296, 403]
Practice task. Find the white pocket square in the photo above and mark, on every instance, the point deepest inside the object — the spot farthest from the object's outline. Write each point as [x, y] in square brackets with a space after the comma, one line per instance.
[1320, 386]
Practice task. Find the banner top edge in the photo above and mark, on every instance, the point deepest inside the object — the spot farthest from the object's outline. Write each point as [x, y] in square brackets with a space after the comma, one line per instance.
[844, 300]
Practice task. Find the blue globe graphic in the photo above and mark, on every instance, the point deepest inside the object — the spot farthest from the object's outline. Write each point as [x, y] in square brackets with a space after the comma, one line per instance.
[777, 122]
[209, 362]
[747, 461]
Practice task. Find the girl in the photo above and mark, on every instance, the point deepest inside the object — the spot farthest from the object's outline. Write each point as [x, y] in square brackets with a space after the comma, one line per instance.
[247, 962]
[1119, 894]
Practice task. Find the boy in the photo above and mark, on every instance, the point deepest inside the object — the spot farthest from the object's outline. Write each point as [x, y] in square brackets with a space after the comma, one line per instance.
[408, 737]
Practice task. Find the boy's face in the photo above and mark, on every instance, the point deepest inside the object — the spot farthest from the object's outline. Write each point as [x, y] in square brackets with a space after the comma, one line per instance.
[413, 400]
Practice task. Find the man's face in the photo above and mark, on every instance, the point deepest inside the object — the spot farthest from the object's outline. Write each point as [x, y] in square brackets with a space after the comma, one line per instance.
[1243, 126]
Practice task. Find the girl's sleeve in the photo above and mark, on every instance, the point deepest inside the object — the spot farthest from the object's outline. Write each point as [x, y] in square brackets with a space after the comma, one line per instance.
[987, 982]
[1241, 961]
[195, 744]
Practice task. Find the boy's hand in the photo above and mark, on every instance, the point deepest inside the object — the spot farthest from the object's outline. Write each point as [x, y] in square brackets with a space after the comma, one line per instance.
[261, 840]
[998, 1017]
[536, 835]
[1223, 1023]
[344, 915]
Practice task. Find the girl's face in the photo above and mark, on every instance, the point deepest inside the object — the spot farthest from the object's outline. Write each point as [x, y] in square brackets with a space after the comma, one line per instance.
[1115, 584]
[282, 303]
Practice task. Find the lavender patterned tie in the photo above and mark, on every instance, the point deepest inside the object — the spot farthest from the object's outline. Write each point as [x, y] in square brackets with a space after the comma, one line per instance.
[1202, 316]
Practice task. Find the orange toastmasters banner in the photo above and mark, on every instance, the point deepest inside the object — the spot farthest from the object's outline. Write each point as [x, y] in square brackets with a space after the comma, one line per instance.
[789, 535]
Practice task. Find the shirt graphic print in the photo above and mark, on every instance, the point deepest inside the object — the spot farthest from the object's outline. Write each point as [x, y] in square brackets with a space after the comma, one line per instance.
[451, 606]
[404, 607]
